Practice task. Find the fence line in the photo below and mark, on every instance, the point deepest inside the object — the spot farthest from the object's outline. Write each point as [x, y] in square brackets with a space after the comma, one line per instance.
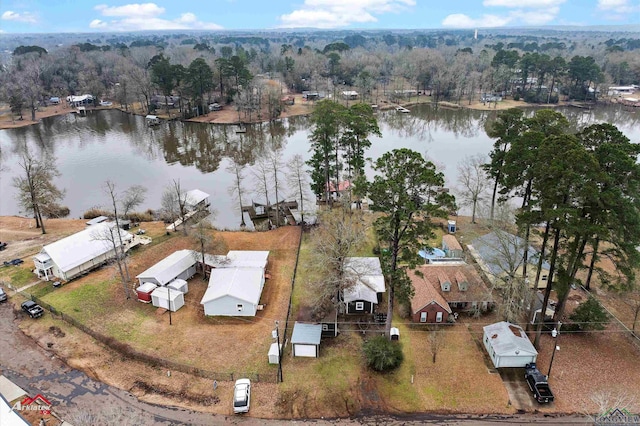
[127, 351]
[293, 280]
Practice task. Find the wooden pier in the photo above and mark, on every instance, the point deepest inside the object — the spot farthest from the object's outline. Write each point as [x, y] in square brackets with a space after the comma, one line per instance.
[262, 214]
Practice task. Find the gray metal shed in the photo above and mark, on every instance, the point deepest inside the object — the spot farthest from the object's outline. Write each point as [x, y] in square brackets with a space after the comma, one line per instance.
[306, 339]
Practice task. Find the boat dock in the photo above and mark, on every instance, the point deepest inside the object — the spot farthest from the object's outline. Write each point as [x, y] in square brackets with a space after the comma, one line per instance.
[272, 213]
[402, 109]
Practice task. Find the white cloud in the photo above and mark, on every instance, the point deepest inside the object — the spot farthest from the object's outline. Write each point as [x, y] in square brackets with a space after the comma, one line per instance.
[144, 10]
[535, 17]
[617, 6]
[341, 13]
[27, 17]
[460, 20]
[538, 4]
[146, 16]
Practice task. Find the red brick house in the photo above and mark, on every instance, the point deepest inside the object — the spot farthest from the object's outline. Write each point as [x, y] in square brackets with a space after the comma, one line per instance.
[427, 305]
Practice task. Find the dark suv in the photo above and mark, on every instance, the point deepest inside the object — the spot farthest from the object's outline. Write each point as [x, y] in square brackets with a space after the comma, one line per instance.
[32, 308]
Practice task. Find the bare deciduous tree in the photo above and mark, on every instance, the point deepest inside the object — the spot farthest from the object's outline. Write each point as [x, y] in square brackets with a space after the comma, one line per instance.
[110, 189]
[298, 180]
[473, 183]
[338, 237]
[132, 198]
[436, 342]
[111, 236]
[174, 204]
[35, 186]
[204, 235]
[237, 190]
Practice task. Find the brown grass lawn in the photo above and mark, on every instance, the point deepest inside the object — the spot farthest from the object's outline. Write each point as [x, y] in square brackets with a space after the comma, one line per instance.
[214, 344]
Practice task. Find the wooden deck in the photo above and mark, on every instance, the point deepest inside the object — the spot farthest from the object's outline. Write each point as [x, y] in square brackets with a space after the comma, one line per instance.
[259, 213]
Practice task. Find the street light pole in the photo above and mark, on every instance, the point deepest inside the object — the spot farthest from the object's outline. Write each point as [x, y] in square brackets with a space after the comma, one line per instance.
[554, 333]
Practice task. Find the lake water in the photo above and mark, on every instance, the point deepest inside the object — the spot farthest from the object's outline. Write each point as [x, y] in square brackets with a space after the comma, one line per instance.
[112, 145]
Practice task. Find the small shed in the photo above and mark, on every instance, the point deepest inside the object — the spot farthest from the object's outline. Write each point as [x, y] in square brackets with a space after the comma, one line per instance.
[306, 339]
[152, 120]
[508, 345]
[350, 95]
[274, 354]
[164, 297]
[144, 292]
[451, 226]
[180, 285]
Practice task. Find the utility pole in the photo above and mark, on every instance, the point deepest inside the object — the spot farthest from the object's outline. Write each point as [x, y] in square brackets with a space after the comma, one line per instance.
[279, 353]
[169, 302]
[554, 333]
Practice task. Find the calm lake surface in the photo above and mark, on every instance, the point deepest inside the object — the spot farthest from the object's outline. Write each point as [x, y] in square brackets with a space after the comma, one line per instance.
[112, 145]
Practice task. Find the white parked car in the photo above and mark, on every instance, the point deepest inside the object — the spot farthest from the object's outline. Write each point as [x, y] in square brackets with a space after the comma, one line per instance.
[242, 396]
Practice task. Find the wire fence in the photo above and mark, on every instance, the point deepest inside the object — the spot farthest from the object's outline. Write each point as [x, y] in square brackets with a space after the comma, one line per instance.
[293, 280]
[132, 354]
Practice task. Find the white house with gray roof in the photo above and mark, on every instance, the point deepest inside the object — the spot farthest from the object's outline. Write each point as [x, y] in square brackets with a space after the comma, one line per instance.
[233, 291]
[508, 345]
[500, 253]
[81, 252]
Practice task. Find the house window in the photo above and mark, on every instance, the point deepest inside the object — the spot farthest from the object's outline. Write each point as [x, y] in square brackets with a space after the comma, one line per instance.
[239, 307]
[325, 327]
[359, 306]
[438, 316]
[544, 277]
[486, 339]
[423, 317]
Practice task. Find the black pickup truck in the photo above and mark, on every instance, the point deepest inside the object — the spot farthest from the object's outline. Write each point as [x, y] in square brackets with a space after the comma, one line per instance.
[538, 384]
[32, 308]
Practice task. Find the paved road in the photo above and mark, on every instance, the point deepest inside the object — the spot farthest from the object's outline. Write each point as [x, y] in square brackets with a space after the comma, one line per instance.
[72, 392]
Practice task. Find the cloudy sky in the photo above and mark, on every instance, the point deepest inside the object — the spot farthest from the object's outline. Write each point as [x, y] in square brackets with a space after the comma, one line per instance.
[25, 16]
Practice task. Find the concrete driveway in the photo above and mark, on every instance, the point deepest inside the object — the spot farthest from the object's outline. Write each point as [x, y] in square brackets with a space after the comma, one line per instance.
[519, 393]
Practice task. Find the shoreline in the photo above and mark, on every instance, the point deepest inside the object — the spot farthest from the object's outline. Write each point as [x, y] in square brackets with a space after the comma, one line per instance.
[229, 116]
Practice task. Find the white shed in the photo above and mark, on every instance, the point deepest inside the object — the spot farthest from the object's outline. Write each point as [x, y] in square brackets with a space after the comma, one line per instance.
[233, 291]
[180, 264]
[508, 345]
[306, 339]
[180, 285]
[273, 353]
[164, 297]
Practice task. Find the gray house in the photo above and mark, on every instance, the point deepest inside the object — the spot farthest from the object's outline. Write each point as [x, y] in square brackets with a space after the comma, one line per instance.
[500, 251]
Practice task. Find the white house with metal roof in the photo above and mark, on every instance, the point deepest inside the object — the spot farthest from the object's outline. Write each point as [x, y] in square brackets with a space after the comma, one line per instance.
[79, 253]
[508, 345]
[178, 265]
[233, 291]
[305, 339]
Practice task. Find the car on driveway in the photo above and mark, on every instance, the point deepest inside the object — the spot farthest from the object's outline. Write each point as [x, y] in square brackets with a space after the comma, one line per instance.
[3, 295]
[242, 396]
[14, 262]
[32, 308]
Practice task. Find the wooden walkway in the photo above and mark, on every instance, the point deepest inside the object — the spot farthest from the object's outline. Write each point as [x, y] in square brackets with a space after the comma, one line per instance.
[259, 213]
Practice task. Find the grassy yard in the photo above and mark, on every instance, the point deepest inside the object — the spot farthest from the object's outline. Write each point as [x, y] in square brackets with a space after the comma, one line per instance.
[215, 344]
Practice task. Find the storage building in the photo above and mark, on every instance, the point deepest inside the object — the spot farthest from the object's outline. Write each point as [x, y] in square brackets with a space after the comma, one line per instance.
[168, 298]
[180, 264]
[306, 339]
[144, 292]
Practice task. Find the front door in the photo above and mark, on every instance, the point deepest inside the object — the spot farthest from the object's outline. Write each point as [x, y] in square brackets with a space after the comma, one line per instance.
[423, 317]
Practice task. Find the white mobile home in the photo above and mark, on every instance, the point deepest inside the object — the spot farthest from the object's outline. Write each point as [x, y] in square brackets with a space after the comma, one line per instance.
[233, 292]
[180, 264]
[79, 253]
[508, 345]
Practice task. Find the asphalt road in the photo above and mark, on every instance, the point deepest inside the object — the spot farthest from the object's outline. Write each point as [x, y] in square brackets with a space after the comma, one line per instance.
[73, 393]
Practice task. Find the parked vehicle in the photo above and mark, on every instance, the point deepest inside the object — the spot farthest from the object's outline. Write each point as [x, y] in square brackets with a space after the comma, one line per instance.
[14, 262]
[3, 246]
[538, 384]
[32, 308]
[3, 296]
[242, 396]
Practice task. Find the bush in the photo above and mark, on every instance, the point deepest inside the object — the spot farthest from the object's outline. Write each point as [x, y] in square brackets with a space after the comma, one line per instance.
[516, 97]
[56, 211]
[94, 212]
[140, 216]
[383, 354]
[590, 315]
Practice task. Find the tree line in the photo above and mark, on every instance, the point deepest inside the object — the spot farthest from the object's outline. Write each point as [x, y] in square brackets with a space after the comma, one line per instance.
[449, 66]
